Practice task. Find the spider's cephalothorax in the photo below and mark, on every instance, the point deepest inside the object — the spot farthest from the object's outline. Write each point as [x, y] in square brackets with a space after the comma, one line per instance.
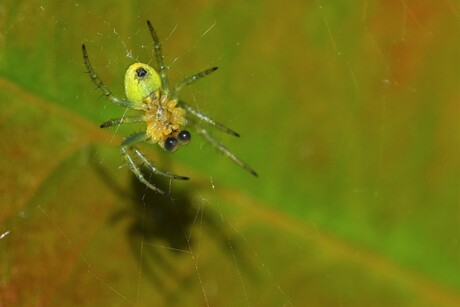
[164, 114]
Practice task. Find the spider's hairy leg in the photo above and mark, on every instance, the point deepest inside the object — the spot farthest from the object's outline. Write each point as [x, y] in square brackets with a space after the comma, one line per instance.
[156, 170]
[123, 120]
[197, 114]
[162, 69]
[190, 80]
[105, 90]
[135, 169]
[220, 147]
[126, 150]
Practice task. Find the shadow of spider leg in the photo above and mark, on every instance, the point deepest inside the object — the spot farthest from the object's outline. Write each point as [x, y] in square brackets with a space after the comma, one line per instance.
[127, 149]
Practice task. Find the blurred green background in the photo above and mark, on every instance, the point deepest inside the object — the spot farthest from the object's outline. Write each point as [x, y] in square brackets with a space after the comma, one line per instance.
[349, 111]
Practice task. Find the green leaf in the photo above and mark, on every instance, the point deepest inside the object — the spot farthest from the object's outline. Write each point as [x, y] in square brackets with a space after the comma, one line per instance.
[348, 111]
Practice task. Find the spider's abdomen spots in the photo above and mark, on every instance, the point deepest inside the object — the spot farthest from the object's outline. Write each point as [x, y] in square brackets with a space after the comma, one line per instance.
[140, 81]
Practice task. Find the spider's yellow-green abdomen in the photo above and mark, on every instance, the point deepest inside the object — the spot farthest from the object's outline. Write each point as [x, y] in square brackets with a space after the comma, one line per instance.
[139, 86]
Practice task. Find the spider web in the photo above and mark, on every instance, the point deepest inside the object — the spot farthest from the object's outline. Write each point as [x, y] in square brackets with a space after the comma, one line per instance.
[169, 242]
[201, 217]
[143, 240]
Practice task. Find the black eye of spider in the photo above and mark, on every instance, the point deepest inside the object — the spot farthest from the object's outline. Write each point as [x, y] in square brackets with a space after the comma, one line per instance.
[184, 137]
[141, 72]
[171, 144]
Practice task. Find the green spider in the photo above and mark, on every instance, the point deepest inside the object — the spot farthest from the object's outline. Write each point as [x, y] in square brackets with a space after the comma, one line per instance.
[162, 111]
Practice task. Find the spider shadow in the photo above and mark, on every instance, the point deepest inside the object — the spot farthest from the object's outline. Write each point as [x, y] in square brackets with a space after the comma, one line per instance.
[159, 230]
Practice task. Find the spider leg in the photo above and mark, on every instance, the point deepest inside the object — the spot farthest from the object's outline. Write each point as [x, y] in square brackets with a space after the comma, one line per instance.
[129, 141]
[190, 80]
[105, 90]
[220, 147]
[162, 69]
[127, 148]
[197, 114]
[156, 170]
[123, 120]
